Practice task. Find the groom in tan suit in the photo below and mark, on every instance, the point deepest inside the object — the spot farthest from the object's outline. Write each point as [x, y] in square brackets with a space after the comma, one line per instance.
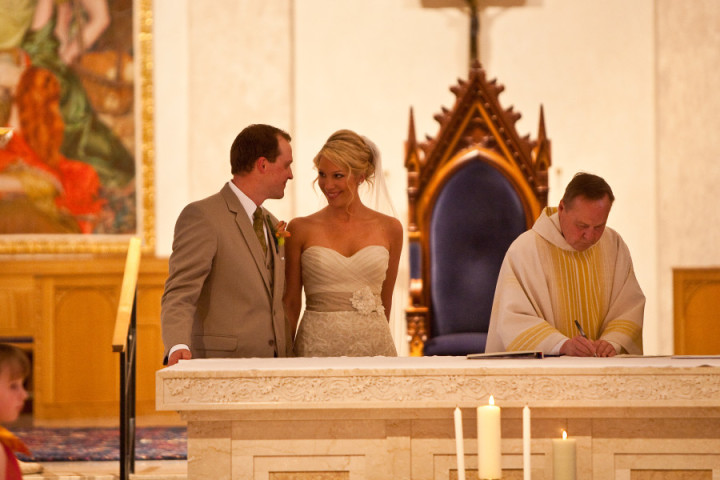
[223, 296]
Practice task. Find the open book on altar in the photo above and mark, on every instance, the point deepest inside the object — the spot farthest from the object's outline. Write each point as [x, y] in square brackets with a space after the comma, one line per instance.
[519, 354]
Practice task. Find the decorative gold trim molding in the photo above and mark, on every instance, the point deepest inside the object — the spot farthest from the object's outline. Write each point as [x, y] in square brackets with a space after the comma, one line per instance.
[147, 91]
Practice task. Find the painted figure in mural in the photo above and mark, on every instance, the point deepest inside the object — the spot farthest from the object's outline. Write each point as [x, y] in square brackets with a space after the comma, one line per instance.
[50, 193]
[52, 35]
[346, 258]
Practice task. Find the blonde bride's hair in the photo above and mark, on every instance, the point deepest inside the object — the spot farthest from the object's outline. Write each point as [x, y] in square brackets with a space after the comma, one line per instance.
[355, 154]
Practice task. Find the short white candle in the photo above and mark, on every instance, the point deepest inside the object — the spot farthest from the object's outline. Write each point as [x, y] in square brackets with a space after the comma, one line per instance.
[526, 443]
[564, 463]
[488, 427]
[459, 447]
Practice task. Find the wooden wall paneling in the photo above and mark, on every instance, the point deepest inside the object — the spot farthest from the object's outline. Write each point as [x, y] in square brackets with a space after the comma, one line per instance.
[85, 369]
[44, 368]
[18, 315]
[696, 297]
[72, 305]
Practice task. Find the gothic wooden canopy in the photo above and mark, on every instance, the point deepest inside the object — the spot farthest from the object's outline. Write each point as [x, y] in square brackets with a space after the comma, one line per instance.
[477, 121]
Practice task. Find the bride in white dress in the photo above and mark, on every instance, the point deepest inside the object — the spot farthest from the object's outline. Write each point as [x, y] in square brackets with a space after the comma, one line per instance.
[346, 258]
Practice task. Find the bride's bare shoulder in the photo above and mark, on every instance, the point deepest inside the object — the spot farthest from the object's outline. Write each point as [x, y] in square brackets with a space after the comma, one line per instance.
[388, 222]
[309, 221]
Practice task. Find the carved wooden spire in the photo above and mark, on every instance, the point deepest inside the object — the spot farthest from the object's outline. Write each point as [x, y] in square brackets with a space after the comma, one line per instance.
[477, 121]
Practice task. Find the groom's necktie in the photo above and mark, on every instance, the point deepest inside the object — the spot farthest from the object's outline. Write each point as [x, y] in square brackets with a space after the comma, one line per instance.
[258, 227]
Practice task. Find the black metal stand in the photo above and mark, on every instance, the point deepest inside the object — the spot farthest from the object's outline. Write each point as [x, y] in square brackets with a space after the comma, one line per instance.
[127, 399]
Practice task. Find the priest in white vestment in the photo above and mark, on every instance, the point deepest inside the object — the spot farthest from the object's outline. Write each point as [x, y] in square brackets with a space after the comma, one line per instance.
[569, 267]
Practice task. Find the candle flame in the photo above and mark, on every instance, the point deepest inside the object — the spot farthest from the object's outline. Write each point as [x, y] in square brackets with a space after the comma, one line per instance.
[491, 401]
[564, 435]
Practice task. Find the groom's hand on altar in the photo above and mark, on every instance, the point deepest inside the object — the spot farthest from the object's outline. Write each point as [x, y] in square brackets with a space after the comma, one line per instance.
[177, 355]
[579, 346]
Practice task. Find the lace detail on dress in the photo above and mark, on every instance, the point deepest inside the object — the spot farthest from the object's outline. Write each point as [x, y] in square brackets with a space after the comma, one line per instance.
[344, 334]
[366, 302]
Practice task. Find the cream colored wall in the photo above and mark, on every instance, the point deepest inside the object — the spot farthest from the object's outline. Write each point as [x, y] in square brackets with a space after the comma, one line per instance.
[314, 66]
[688, 144]
[219, 66]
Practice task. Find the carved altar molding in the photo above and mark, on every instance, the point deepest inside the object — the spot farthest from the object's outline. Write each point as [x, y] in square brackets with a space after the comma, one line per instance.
[572, 387]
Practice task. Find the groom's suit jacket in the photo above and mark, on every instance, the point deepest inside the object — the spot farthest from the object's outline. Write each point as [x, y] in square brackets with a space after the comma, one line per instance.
[220, 298]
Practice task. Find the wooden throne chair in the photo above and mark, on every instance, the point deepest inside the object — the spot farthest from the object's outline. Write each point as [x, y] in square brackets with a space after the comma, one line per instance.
[472, 190]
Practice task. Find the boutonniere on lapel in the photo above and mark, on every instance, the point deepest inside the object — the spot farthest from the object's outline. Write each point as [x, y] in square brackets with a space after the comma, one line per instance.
[279, 233]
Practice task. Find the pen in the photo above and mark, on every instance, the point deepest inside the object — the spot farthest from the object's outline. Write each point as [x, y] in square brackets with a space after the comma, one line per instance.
[582, 332]
[580, 329]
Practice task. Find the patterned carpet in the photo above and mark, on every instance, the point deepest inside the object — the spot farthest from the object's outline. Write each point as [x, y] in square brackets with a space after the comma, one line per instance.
[97, 444]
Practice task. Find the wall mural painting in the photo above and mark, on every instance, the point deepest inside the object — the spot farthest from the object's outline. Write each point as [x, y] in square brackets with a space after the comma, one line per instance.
[69, 177]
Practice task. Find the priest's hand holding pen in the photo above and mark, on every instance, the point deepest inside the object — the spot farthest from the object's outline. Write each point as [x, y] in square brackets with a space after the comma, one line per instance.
[582, 333]
[581, 346]
[602, 348]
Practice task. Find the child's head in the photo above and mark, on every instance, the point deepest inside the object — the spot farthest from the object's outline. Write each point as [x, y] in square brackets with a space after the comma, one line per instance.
[14, 368]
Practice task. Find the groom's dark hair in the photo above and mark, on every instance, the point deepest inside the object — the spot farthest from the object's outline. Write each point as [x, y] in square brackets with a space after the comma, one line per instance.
[253, 142]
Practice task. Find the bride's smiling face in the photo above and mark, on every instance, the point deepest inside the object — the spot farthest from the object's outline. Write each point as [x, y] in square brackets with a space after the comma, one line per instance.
[337, 184]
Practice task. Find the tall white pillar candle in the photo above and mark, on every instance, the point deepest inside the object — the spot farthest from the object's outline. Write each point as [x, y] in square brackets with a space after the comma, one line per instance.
[564, 462]
[459, 447]
[488, 433]
[526, 443]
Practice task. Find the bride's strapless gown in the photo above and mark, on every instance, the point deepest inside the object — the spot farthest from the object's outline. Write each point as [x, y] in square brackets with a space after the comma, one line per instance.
[344, 315]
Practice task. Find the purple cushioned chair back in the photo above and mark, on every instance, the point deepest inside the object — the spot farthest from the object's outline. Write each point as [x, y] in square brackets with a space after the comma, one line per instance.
[476, 217]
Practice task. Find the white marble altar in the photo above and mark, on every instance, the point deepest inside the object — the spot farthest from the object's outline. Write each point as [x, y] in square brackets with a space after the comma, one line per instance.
[383, 418]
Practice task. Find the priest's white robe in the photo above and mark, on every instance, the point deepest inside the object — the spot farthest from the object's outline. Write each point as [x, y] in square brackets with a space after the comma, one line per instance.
[545, 284]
